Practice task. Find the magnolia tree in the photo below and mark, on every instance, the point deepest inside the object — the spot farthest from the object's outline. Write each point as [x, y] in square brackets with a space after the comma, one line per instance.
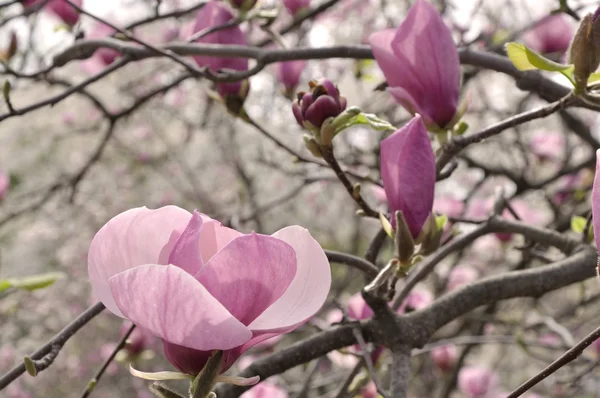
[346, 198]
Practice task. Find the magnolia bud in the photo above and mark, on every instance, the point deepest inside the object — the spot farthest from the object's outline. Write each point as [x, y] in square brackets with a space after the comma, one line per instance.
[584, 53]
[322, 102]
[430, 237]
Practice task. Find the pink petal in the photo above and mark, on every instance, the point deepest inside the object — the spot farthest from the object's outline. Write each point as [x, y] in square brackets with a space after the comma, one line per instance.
[596, 201]
[381, 45]
[186, 253]
[136, 237]
[404, 98]
[307, 292]
[172, 305]
[249, 274]
[214, 237]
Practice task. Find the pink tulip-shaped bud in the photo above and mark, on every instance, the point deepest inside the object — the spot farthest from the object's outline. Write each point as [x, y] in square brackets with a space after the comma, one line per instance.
[322, 102]
[408, 173]
[4, 184]
[444, 357]
[216, 13]
[243, 5]
[296, 6]
[265, 390]
[476, 382]
[552, 34]
[420, 63]
[200, 286]
[596, 204]
[288, 73]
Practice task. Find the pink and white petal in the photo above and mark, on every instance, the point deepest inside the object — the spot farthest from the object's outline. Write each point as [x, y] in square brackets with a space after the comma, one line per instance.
[404, 98]
[249, 274]
[381, 45]
[308, 290]
[214, 237]
[135, 237]
[186, 253]
[172, 305]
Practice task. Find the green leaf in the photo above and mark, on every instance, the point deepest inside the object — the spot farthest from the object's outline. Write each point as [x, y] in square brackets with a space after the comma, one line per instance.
[31, 283]
[525, 59]
[387, 226]
[345, 121]
[594, 77]
[578, 224]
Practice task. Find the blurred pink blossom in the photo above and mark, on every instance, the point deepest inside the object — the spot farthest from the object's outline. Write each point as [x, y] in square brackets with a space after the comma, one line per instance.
[265, 390]
[4, 184]
[288, 73]
[461, 275]
[547, 145]
[448, 206]
[295, 6]
[444, 357]
[551, 34]
[476, 382]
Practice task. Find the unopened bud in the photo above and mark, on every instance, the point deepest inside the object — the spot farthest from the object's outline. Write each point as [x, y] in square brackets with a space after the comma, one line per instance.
[584, 53]
[312, 145]
[322, 102]
[405, 245]
[430, 237]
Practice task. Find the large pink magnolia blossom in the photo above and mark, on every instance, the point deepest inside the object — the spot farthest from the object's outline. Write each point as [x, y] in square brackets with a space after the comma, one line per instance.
[60, 8]
[420, 63]
[408, 173]
[552, 34]
[216, 13]
[200, 286]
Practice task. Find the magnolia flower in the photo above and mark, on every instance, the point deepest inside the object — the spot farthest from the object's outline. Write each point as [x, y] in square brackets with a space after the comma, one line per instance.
[4, 184]
[288, 73]
[476, 382]
[138, 341]
[408, 173]
[420, 63]
[552, 34]
[265, 390]
[216, 13]
[444, 357]
[200, 286]
[295, 6]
